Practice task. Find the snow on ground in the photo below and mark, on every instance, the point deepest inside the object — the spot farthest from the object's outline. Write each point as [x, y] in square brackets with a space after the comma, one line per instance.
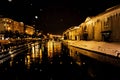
[110, 48]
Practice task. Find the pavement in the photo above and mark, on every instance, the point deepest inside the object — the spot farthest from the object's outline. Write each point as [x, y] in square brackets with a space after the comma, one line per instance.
[109, 48]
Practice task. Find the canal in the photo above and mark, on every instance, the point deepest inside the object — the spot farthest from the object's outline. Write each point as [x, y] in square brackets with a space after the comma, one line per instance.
[55, 61]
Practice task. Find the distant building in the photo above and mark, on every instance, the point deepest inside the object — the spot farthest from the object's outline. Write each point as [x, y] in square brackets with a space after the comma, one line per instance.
[16, 29]
[6, 24]
[18, 26]
[29, 30]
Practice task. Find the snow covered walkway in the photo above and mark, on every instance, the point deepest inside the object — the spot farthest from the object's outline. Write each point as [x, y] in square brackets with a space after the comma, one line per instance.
[108, 48]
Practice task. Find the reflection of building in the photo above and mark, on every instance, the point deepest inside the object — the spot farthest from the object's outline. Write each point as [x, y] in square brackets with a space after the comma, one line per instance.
[103, 27]
[54, 48]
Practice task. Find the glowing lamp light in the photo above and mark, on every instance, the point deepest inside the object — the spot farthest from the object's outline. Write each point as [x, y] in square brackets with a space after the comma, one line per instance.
[9, 0]
[36, 17]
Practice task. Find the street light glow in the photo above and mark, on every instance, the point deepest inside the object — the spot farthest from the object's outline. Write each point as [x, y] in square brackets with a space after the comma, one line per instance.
[10, 0]
[36, 17]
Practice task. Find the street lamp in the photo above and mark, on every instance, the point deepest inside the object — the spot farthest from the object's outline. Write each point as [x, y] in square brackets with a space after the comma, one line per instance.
[36, 17]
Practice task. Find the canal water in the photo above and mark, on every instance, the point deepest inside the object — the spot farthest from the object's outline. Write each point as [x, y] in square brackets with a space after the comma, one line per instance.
[55, 61]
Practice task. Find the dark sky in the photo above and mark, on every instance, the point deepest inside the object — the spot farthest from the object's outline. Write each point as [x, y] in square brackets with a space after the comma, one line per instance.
[54, 16]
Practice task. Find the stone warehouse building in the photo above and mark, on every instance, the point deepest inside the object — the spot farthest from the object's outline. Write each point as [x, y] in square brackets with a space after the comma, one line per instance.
[103, 27]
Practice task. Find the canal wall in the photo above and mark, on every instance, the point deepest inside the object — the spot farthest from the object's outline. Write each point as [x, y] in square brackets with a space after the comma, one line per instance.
[102, 51]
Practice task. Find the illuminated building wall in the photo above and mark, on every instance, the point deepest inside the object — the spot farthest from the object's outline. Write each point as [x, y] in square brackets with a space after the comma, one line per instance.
[106, 23]
[29, 30]
[6, 24]
[2, 28]
[18, 26]
[103, 27]
[73, 33]
[81, 31]
[94, 28]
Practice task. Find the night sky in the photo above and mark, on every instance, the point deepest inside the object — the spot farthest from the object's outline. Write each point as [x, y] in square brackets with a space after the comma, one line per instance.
[53, 16]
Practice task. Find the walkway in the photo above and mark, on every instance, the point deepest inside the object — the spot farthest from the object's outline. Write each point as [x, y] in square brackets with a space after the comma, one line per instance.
[108, 48]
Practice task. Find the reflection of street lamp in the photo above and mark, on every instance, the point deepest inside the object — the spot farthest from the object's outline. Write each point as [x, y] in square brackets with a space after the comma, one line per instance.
[9, 0]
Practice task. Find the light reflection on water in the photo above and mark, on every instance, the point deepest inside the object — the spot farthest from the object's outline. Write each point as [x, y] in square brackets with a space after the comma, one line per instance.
[75, 55]
[39, 50]
[50, 46]
[54, 48]
[64, 63]
[27, 61]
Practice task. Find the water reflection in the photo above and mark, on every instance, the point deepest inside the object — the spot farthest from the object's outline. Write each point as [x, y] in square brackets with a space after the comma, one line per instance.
[55, 61]
[76, 56]
[50, 46]
[54, 48]
[42, 53]
[27, 61]
[35, 50]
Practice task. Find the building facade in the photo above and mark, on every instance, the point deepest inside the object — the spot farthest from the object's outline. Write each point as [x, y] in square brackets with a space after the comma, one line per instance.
[29, 30]
[13, 29]
[103, 27]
